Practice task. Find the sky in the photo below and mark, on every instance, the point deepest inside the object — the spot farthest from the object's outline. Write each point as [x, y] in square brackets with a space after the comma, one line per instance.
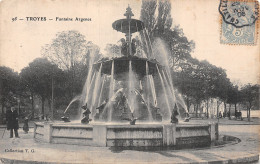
[21, 40]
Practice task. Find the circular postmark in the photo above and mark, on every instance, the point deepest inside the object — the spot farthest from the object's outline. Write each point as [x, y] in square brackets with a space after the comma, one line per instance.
[239, 13]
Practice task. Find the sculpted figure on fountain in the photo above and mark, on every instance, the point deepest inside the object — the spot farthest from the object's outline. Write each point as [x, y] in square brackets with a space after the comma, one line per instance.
[86, 113]
[175, 113]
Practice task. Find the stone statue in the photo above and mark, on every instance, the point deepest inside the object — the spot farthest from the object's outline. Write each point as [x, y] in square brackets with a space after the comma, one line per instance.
[86, 113]
[102, 106]
[187, 117]
[125, 49]
[65, 119]
[175, 113]
[133, 46]
[132, 119]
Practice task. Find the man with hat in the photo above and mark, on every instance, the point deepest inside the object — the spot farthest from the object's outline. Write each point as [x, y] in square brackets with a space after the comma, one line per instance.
[12, 122]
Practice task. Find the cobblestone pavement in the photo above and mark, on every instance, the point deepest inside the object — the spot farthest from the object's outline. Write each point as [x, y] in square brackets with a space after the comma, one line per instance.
[29, 150]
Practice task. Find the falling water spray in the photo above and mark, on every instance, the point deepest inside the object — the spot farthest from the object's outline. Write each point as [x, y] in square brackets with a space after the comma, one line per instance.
[165, 93]
[148, 98]
[95, 91]
[111, 90]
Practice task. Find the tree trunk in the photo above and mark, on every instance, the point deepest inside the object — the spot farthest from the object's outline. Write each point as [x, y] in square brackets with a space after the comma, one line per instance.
[218, 104]
[2, 114]
[52, 94]
[3, 108]
[43, 99]
[197, 106]
[235, 108]
[225, 107]
[207, 108]
[49, 104]
[249, 110]
[229, 117]
[217, 109]
[32, 102]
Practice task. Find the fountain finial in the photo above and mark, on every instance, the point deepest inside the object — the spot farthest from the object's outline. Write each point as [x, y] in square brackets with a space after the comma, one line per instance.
[128, 12]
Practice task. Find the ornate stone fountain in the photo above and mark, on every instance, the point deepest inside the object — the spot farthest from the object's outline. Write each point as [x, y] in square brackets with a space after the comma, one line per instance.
[128, 89]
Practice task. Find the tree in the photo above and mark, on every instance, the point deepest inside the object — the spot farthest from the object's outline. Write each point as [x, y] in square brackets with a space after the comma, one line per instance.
[156, 25]
[68, 50]
[188, 82]
[38, 78]
[160, 26]
[9, 81]
[234, 97]
[113, 50]
[220, 87]
[148, 16]
[250, 94]
[199, 81]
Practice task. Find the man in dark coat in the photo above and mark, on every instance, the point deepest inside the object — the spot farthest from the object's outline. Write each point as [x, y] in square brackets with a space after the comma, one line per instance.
[12, 122]
[26, 125]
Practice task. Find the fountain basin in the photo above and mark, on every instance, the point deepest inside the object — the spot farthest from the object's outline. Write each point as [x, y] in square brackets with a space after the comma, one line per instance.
[125, 135]
[122, 66]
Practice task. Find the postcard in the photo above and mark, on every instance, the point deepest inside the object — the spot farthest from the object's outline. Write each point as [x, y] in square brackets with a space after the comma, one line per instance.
[129, 81]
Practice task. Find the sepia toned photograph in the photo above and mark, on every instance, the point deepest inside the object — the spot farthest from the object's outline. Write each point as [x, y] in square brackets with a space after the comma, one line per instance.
[129, 81]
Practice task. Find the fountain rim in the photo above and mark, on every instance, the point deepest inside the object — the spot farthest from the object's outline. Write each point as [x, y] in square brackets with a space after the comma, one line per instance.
[123, 124]
[121, 21]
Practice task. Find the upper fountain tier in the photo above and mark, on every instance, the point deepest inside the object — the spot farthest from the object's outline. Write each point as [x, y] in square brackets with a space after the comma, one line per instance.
[128, 25]
[141, 66]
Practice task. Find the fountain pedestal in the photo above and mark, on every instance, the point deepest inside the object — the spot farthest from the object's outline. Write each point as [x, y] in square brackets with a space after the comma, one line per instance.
[124, 135]
[99, 135]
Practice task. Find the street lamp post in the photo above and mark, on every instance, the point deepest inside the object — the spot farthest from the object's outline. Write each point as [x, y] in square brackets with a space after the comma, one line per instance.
[18, 100]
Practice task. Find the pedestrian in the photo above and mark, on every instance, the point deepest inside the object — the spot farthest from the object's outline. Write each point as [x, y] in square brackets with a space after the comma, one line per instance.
[25, 125]
[12, 122]
[220, 114]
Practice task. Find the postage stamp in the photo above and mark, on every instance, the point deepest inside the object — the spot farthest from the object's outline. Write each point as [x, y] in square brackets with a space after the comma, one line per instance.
[230, 34]
[239, 21]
